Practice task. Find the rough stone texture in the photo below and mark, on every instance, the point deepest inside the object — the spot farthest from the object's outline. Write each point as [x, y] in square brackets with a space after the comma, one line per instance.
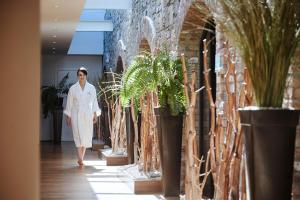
[159, 22]
[176, 24]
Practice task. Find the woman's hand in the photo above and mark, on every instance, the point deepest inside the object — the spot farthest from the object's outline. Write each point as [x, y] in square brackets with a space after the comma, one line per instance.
[69, 123]
[95, 118]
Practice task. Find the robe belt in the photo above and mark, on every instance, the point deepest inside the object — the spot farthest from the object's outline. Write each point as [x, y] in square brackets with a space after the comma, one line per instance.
[83, 111]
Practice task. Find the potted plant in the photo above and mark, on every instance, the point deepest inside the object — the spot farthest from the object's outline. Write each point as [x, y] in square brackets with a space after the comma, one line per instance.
[161, 73]
[266, 34]
[52, 102]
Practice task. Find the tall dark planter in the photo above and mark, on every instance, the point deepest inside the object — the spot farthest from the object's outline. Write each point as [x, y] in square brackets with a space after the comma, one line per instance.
[269, 144]
[57, 120]
[106, 135]
[129, 135]
[139, 123]
[170, 139]
[57, 125]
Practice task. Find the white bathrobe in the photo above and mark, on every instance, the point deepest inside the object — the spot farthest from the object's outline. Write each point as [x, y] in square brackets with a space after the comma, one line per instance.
[81, 106]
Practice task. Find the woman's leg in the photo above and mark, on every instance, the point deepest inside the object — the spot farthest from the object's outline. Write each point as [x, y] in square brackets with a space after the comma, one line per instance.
[83, 152]
[79, 155]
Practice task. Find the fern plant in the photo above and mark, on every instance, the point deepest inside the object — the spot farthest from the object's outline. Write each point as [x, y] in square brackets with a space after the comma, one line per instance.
[160, 73]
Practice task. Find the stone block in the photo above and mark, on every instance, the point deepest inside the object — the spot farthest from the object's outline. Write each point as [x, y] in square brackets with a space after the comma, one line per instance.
[113, 159]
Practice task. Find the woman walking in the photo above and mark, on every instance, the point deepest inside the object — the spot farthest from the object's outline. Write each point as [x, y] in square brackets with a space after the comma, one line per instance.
[82, 111]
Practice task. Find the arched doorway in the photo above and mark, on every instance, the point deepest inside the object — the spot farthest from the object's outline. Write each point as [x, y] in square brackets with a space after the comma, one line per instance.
[144, 46]
[147, 35]
[194, 30]
[147, 130]
[120, 66]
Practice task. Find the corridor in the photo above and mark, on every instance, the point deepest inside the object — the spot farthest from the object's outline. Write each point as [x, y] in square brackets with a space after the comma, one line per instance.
[61, 178]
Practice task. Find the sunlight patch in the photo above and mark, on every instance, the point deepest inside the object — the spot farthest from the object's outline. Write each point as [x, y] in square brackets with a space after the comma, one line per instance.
[94, 162]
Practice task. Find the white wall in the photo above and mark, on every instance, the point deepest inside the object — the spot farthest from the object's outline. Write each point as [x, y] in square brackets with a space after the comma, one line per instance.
[54, 67]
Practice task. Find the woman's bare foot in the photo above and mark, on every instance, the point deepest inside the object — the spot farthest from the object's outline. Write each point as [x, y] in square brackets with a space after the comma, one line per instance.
[80, 163]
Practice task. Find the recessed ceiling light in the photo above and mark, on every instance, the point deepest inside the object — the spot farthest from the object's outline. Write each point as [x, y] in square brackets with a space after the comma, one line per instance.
[53, 42]
[53, 48]
[54, 36]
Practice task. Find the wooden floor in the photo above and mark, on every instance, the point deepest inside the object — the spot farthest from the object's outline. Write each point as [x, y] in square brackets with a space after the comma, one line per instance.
[61, 178]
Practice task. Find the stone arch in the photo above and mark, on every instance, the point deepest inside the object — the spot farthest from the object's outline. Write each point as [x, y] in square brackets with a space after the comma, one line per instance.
[190, 24]
[120, 57]
[147, 35]
[182, 12]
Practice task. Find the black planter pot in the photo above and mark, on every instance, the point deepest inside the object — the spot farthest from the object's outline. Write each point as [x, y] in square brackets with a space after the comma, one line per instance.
[129, 135]
[170, 140]
[57, 125]
[106, 135]
[269, 146]
[59, 102]
[139, 123]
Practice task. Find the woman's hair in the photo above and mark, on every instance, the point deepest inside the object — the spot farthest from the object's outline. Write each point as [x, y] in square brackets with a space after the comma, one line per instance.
[83, 70]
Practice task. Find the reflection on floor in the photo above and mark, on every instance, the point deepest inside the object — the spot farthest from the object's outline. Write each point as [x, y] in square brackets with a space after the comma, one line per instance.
[61, 178]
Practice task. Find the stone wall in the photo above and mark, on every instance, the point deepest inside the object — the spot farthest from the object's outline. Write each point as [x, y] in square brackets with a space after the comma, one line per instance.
[177, 24]
[157, 21]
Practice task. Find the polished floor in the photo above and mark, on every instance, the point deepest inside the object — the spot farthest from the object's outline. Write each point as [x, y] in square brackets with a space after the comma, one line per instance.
[61, 178]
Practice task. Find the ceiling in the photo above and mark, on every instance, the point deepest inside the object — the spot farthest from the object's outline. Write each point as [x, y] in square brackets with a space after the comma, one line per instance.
[59, 19]
[76, 26]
